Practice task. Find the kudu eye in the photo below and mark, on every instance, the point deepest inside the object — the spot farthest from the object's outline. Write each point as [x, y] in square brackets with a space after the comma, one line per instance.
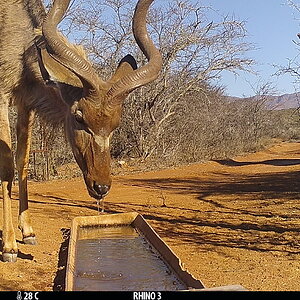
[78, 116]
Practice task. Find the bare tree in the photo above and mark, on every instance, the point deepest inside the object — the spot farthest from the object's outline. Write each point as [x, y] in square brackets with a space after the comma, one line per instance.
[183, 117]
[42, 73]
[195, 52]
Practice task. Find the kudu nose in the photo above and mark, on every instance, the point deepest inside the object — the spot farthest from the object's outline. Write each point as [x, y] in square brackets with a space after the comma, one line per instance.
[100, 189]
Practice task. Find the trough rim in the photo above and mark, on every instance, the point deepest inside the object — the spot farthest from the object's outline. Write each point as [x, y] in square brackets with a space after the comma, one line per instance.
[138, 222]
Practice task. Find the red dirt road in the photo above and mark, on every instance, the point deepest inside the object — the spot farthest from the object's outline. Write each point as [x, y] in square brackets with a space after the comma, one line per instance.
[231, 222]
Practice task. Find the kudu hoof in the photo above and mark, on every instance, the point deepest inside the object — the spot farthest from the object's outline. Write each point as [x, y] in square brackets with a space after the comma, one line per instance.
[29, 240]
[9, 257]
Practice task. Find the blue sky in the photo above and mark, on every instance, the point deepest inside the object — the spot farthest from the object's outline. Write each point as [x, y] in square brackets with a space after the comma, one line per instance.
[272, 27]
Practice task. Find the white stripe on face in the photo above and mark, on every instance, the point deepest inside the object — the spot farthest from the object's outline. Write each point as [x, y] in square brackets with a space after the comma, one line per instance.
[102, 141]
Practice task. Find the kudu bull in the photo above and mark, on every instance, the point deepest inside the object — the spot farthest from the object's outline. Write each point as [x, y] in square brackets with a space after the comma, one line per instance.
[42, 73]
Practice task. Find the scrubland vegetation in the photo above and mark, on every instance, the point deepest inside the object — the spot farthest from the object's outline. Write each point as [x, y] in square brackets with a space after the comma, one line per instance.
[183, 116]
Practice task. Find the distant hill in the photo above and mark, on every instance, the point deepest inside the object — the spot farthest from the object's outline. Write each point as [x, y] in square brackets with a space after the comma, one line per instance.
[285, 101]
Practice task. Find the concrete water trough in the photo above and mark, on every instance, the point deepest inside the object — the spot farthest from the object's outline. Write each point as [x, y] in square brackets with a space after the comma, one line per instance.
[122, 252]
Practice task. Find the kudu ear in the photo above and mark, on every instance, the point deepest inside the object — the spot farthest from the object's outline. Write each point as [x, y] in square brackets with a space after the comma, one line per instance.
[58, 72]
[69, 84]
[51, 69]
[126, 66]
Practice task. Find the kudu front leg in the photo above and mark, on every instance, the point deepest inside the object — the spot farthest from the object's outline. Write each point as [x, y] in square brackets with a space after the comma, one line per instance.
[24, 129]
[9, 249]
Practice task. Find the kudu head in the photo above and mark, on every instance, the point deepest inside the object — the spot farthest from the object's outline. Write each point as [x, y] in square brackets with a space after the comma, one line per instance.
[95, 114]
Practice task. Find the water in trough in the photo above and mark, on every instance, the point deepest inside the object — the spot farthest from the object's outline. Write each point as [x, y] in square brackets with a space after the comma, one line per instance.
[120, 259]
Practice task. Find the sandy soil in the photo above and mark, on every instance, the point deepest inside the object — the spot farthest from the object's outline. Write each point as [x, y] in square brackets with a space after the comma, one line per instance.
[231, 221]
